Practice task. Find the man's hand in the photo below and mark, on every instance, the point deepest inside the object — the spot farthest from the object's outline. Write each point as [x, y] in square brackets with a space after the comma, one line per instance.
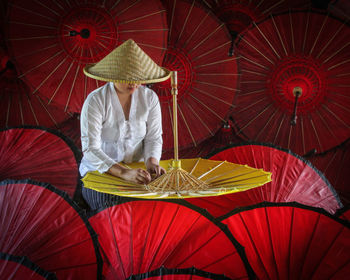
[139, 175]
[153, 168]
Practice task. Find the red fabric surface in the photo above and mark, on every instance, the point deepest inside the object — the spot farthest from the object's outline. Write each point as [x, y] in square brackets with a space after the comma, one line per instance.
[279, 54]
[41, 225]
[140, 236]
[52, 61]
[292, 180]
[207, 78]
[40, 155]
[292, 243]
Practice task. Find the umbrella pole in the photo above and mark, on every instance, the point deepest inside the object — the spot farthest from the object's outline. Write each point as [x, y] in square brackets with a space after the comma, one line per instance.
[174, 93]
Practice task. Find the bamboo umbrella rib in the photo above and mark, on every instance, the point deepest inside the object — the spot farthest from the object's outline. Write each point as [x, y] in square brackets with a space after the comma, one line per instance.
[206, 38]
[279, 128]
[339, 105]
[37, 51]
[253, 104]
[207, 107]
[33, 38]
[186, 124]
[39, 65]
[142, 30]
[215, 180]
[42, 4]
[213, 96]
[318, 35]
[316, 133]
[219, 74]
[306, 31]
[257, 50]
[340, 63]
[215, 85]
[251, 82]
[266, 124]
[253, 92]
[211, 170]
[21, 110]
[195, 166]
[185, 21]
[325, 123]
[142, 17]
[216, 62]
[61, 82]
[302, 134]
[279, 35]
[331, 40]
[171, 19]
[262, 34]
[211, 50]
[8, 109]
[152, 46]
[234, 183]
[271, 7]
[253, 72]
[335, 53]
[194, 32]
[71, 89]
[289, 135]
[253, 62]
[200, 119]
[34, 13]
[292, 31]
[339, 119]
[46, 110]
[31, 109]
[31, 25]
[125, 9]
[340, 75]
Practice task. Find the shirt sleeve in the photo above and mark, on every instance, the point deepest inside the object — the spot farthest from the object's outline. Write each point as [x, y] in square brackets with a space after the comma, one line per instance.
[91, 120]
[153, 141]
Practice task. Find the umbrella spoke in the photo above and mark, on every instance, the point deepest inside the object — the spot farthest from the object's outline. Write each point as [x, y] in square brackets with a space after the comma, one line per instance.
[292, 32]
[125, 9]
[186, 124]
[336, 116]
[318, 35]
[211, 51]
[31, 109]
[266, 124]
[200, 119]
[212, 96]
[279, 35]
[257, 50]
[334, 54]
[268, 42]
[207, 107]
[330, 41]
[142, 17]
[257, 116]
[34, 13]
[215, 62]
[72, 87]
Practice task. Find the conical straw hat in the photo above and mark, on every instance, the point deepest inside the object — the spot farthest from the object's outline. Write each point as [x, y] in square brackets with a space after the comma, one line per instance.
[128, 63]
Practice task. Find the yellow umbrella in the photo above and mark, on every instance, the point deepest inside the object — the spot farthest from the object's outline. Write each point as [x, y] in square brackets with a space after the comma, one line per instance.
[184, 178]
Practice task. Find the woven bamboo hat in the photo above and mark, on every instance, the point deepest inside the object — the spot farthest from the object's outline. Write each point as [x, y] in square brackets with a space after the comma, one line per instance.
[128, 63]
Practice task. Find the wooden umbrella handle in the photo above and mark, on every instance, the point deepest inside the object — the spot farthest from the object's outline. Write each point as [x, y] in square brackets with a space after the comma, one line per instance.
[175, 131]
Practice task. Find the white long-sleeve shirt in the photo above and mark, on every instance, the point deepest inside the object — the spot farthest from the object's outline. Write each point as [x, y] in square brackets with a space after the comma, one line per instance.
[107, 137]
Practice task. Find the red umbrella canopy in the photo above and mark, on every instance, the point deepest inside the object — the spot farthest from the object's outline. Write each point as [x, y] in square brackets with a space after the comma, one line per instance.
[52, 41]
[198, 50]
[340, 8]
[178, 274]
[41, 154]
[238, 15]
[14, 267]
[335, 165]
[71, 129]
[140, 236]
[293, 179]
[43, 224]
[292, 241]
[294, 85]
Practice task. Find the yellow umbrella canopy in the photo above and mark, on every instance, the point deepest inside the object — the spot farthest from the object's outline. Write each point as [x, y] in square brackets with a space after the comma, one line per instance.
[195, 178]
[184, 178]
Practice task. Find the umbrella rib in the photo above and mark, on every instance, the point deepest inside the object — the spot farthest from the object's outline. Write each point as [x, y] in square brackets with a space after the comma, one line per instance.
[195, 166]
[125, 9]
[185, 22]
[32, 110]
[339, 105]
[289, 136]
[318, 35]
[212, 96]
[32, 38]
[335, 53]
[258, 115]
[47, 111]
[151, 46]
[32, 12]
[302, 134]
[71, 89]
[270, 8]
[37, 51]
[31, 25]
[142, 30]
[340, 63]
[271, 244]
[266, 124]
[206, 38]
[253, 62]
[216, 62]
[211, 50]
[21, 111]
[215, 85]
[316, 134]
[218, 74]
[330, 111]
[194, 32]
[279, 35]
[37, 66]
[257, 50]
[171, 20]
[142, 17]
[335, 34]
[252, 104]
[271, 46]
[199, 118]
[8, 109]
[40, 3]
[187, 126]
[207, 107]
[211, 170]
[253, 92]
[306, 31]
[279, 128]
[291, 29]
[253, 72]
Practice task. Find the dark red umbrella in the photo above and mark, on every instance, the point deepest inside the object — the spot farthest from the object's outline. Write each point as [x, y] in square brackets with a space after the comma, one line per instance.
[41, 154]
[140, 236]
[14, 267]
[294, 85]
[45, 225]
[71, 129]
[178, 274]
[238, 15]
[340, 8]
[335, 166]
[53, 41]
[292, 241]
[207, 77]
[293, 179]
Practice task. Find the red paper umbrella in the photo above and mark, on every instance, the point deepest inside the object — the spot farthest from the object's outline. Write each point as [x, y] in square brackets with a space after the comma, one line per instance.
[53, 40]
[141, 236]
[42, 223]
[178, 274]
[292, 241]
[198, 50]
[71, 129]
[238, 15]
[295, 78]
[41, 154]
[293, 179]
[14, 267]
[335, 165]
